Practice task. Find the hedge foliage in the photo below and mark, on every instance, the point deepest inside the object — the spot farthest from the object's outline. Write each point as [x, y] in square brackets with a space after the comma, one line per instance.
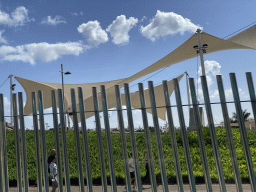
[118, 159]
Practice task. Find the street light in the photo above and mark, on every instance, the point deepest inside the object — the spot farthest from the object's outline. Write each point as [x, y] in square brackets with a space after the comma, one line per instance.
[66, 73]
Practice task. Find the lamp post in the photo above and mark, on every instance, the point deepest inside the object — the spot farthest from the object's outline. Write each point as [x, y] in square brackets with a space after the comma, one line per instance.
[64, 109]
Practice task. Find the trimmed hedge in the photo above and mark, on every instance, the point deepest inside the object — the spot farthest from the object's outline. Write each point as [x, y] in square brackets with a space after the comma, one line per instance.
[118, 159]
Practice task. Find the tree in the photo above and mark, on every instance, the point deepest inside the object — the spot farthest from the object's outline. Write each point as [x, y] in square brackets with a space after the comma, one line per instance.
[245, 114]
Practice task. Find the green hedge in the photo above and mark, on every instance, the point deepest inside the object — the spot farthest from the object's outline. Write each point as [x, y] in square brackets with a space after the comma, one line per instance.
[118, 160]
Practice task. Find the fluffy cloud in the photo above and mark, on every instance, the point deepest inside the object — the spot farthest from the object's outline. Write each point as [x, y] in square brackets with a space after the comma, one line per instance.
[93, 33]
[2, 39]
[40, 51]
[167, 23]
[58, 19]
[17, 17]
[120, 27]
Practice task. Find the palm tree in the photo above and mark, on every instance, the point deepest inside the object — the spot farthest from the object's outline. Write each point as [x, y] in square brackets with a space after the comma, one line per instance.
[245, 114]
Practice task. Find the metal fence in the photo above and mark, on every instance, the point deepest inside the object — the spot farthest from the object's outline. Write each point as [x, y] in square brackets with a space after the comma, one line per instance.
[41, 163]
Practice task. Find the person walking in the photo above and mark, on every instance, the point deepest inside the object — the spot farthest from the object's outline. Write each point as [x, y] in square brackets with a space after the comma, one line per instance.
[146, 179]
[53, 173]
[132, 173]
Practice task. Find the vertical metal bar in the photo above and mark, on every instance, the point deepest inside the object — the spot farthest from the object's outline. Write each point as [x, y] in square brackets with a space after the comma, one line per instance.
[99, 136]
[17, 142]
[252, 93]
[183, 131]
[243, 131]
[147, 137]
[4, 147]
[109, 141]
[64, 141]
[2, 129]
[85, 140]
[77, 139]
[23, 143]
[43, 140]
[229, 134]
[123, 138]
[200, 136]
[37, 143]
[173, 136]
[132, 135]
[158, 136]
[57, 139]
[213, 134]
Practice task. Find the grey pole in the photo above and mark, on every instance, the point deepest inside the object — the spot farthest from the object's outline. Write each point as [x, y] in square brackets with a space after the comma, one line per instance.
[229, 134]
[158, 136]
[11, 109]
[243, 131]
[43, 140]
[147, 137]
[132, 136]
[57, 139]
[200, 47]
[85, 140]
[183, 133]
[173, 137]
[252, 93]
[200, 136]
[64, 141]
[108, 137]
[2, 129]
[23, 143]
[187, 91]
[37, 143]
[17, 143]
[4, 147]
[213, 134]
[77, 139]
[99, 136]
[123, 138]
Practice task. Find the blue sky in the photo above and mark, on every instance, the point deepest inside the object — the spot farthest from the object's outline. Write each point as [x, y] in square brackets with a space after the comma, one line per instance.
[107, 40]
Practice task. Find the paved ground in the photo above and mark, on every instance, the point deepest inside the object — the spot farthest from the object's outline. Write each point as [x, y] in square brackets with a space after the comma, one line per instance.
[147, 188]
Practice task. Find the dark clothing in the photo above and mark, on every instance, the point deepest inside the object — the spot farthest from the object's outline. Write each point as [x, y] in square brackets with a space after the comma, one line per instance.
[132, 175]
[146, 179]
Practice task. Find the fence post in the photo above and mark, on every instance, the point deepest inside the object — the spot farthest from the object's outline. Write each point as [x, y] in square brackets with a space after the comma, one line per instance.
[99, 136]
[23, 143]
[183, 134]
[147, 136]
[243, 131]
[200, 136]
[229, 134]
[2, 129]
[85, 140]
[158, 136]
[252, 94]
[123, 138]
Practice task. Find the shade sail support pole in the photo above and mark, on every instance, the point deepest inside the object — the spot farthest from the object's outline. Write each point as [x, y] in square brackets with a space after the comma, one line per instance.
[201, 50]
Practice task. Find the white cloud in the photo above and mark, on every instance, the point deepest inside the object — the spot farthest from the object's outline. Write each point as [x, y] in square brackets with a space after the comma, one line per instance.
[40, 51]
[120, 28]
[58, 19]
[75, 14]
[7, 104]
[18, 17]
[2, 39]
[93, 33]
[167, 23]
[211, 67]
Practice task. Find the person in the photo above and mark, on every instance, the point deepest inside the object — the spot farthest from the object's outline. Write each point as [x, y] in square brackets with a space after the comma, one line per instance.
[146, 179]
[53, 173]
[132, 173]
[53, 154]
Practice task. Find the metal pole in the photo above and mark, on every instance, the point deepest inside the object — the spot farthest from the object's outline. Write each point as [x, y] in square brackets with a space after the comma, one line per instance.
[158, 137]
[85, 140]
[200, 136]
[123, 138]
[147, 138]
[243, 131]
[229, 134]
[173, 136]
[188, 92]
[99, 137]
[2, 129]
[213, 134]
[23, 143]
[184, 134]
[200, 47]
[108, 138]
[57, 140]
[63, 100]
[37, 143]
[11, 99]
[252, 93]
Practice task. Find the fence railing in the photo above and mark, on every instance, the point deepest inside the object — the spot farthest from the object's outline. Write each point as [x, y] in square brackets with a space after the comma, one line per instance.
[84, 156]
